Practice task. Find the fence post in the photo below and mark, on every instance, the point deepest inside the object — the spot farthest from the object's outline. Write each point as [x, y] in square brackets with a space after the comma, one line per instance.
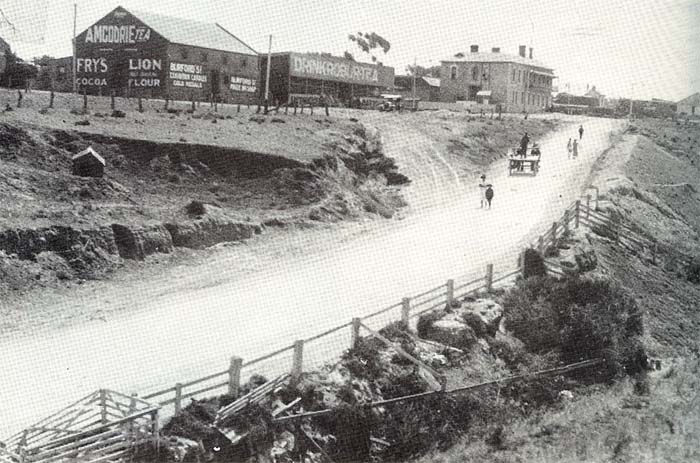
[540, 244]
[234, 375]
[566, 219]
[522, 264]
[489, 277]
[450, 297]
[588, 207]
[112, 104]
[554, 233]
[19, 99]
[405, 309]
[297, 362]
[103, 406]
[578, 212]
[355, 333]
[238, 108]
[85, 103]
[51, 97]
[140, 104]
[178, 397]
[155, 431]
[132, 403]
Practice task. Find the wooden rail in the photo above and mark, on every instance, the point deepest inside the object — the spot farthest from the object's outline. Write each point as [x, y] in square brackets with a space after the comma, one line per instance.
[435, 298]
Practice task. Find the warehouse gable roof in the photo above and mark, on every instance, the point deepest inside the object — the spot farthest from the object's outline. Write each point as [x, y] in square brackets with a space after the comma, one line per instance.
[497, 58]
[195, 33]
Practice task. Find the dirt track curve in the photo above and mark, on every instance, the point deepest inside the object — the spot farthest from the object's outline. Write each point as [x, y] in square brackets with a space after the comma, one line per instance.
[185, 331]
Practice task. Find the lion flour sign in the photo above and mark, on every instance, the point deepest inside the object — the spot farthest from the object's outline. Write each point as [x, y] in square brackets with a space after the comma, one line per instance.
[328, 68]
[145, 72]
[243, 84]
[187, 75]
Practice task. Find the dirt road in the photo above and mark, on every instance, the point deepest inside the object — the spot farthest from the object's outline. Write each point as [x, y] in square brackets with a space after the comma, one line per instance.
[187, 331]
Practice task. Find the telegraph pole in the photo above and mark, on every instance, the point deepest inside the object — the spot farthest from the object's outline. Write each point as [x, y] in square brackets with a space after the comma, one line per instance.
[75, 81]
[267, 72]
[415, 70]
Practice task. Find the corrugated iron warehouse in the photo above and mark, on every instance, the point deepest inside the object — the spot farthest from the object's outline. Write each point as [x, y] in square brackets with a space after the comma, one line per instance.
[138, 53]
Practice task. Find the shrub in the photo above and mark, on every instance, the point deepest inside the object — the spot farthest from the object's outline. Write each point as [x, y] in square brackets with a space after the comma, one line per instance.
[692, 272]
[351, 426]
[363, 360]
[476, 323]
[426, 320]
[534, 264]
[196, 208]
[580, 319]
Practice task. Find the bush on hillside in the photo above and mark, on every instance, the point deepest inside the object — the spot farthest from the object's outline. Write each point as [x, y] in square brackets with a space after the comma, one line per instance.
[580, 319]
[363, 360]
[426, 320]
[534, 264]
[692, 272]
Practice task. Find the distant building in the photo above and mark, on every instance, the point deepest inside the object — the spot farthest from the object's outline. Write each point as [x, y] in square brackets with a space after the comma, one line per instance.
[427, 88]
[88, 163]
[689, 106]
[516, 82]
[596, 95]
[4, 48]
[310, 76]
[57, 74]
[138, 53]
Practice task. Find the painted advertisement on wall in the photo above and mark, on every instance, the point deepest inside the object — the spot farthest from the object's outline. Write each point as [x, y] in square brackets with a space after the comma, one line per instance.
[122, 54]
[185, 75]
[339, 69]
[243, 84]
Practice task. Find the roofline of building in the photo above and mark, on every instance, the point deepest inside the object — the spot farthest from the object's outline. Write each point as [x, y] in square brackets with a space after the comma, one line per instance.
[232, 35]
[282, 53]
[463, 60]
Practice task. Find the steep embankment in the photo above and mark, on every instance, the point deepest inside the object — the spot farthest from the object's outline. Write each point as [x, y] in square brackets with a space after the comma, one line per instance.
[156, 197]
[649, 180]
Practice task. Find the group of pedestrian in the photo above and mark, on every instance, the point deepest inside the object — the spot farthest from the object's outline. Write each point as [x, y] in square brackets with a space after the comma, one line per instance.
[573, 144]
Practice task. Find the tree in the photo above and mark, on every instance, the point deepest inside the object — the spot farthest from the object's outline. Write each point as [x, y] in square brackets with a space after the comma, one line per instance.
[348, 55]
[459, 55]
[420, 71]
[17, 72]
[368, 42]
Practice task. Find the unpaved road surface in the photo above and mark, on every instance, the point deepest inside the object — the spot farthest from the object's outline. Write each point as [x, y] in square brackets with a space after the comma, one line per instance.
[185, 331]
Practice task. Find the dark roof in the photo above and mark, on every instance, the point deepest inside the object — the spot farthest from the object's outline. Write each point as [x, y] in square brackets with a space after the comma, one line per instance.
[692, 99]
[195, 33]
[497, 58]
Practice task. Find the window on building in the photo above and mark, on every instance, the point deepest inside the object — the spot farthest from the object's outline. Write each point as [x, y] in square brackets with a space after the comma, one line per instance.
[224, 59]
[184, 54]
[475, 73]
[244, 62]
[513, 79]
[204, 56]
[227, 80]
[453, 72]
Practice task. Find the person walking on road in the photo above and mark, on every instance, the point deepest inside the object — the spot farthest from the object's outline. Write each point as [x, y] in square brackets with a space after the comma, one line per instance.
[575, 148]
[523, 145]
[580, 132]
[482, 190]
[569, 148]
[489, 194]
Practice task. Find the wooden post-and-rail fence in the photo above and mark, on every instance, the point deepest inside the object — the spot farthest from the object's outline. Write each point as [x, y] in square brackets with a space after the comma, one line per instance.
[230, 379]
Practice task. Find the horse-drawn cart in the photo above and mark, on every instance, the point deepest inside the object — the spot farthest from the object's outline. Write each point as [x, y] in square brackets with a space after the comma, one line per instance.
[529, 164]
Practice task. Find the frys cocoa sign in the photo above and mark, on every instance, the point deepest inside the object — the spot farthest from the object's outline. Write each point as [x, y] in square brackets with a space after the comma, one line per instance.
[326, 68]
[119, 71]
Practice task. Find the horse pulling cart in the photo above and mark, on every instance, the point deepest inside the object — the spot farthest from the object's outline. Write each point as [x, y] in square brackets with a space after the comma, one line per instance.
[528, 164]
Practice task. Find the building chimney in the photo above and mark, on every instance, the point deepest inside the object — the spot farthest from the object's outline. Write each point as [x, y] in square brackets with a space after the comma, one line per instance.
[521, 51]
[530, 52]
[495, 50]
[474, 48]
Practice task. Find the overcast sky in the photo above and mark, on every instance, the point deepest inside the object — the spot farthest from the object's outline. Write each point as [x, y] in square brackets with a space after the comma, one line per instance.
[638, 48]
